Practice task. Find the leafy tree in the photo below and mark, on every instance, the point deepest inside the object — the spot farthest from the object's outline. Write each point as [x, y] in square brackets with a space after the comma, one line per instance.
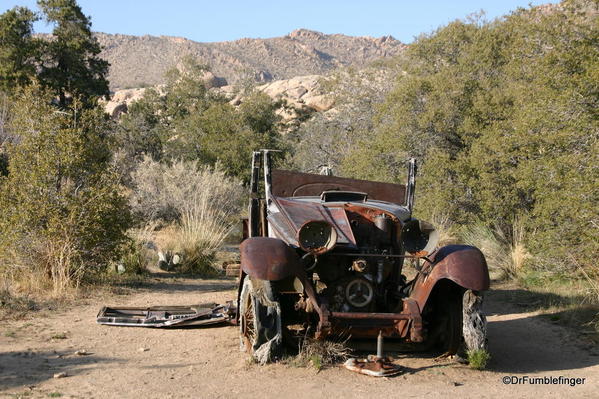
[186, 92]
[18, 49]
[503, 118]
[186, 121]
[223, 133]
[150, 122]
[139, 131]
[70, 64]
[329, 139]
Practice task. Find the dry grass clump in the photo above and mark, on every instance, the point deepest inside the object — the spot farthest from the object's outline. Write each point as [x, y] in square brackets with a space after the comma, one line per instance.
[448, 232]
[11, 302]
[592, 280]
[48, 268]
[505, 254]
[592, 290]
[320, 353]
[201, 230]
[517, 250]
[64, 263]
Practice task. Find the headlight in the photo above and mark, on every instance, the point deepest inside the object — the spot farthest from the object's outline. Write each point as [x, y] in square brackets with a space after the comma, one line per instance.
[317, 237]
[419, 238]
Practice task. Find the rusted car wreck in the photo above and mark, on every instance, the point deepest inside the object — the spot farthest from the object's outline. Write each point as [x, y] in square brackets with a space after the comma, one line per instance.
[323, 256]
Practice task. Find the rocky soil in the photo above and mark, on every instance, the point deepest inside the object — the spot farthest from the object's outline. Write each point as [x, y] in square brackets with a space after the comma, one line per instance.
[180, 363]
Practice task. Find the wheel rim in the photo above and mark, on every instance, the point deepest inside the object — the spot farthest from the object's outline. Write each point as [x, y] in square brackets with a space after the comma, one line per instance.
[248, 326]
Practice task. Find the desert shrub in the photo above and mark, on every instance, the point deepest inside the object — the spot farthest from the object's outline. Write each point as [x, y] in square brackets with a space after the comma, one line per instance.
[165, 191]
[134, 260]
[478, 358]
[591, 277]
[184, 120]
[226, 135]
[139, 252]
[327, 138]
[62, 217]
[200, 203]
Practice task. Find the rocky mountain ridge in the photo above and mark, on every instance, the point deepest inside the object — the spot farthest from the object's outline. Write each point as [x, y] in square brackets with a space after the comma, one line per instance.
[139, 61]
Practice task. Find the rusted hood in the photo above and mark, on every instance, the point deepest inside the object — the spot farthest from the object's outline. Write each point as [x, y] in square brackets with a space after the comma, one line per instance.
[289, 215]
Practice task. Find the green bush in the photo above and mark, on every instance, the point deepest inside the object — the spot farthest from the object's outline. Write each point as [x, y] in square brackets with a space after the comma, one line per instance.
[478, 359]
[62, 214]
[502, 116]
[135, 260]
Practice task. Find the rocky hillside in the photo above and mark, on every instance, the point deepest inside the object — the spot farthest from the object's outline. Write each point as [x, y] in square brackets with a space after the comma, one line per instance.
[138, 61]
[302, 94]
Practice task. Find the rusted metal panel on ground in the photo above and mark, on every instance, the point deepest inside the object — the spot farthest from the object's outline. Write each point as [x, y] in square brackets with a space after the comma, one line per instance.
[167, 316]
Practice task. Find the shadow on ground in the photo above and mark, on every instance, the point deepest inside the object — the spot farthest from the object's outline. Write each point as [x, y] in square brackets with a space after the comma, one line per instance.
[161, 282]
[523, 301]
[29, 368]
[531, 344]
[521, 340]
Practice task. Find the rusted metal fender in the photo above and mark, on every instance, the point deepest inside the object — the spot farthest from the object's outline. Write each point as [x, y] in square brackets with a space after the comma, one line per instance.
[268, 258]
[463, 264]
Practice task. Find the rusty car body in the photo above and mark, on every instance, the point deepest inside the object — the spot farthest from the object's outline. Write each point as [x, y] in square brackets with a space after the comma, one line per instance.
[323, 256]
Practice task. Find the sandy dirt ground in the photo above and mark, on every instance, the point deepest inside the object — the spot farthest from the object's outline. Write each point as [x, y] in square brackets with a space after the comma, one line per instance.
[206, 363]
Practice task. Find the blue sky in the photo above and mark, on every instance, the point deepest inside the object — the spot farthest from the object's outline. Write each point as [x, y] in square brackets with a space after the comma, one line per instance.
[210, 21]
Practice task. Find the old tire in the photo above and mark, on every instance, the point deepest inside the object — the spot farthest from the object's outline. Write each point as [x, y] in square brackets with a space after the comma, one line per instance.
[260, 321]
[474, 325]
[464, 326]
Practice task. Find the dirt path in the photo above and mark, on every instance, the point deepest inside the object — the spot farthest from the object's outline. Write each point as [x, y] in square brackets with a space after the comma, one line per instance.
[206, 363]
